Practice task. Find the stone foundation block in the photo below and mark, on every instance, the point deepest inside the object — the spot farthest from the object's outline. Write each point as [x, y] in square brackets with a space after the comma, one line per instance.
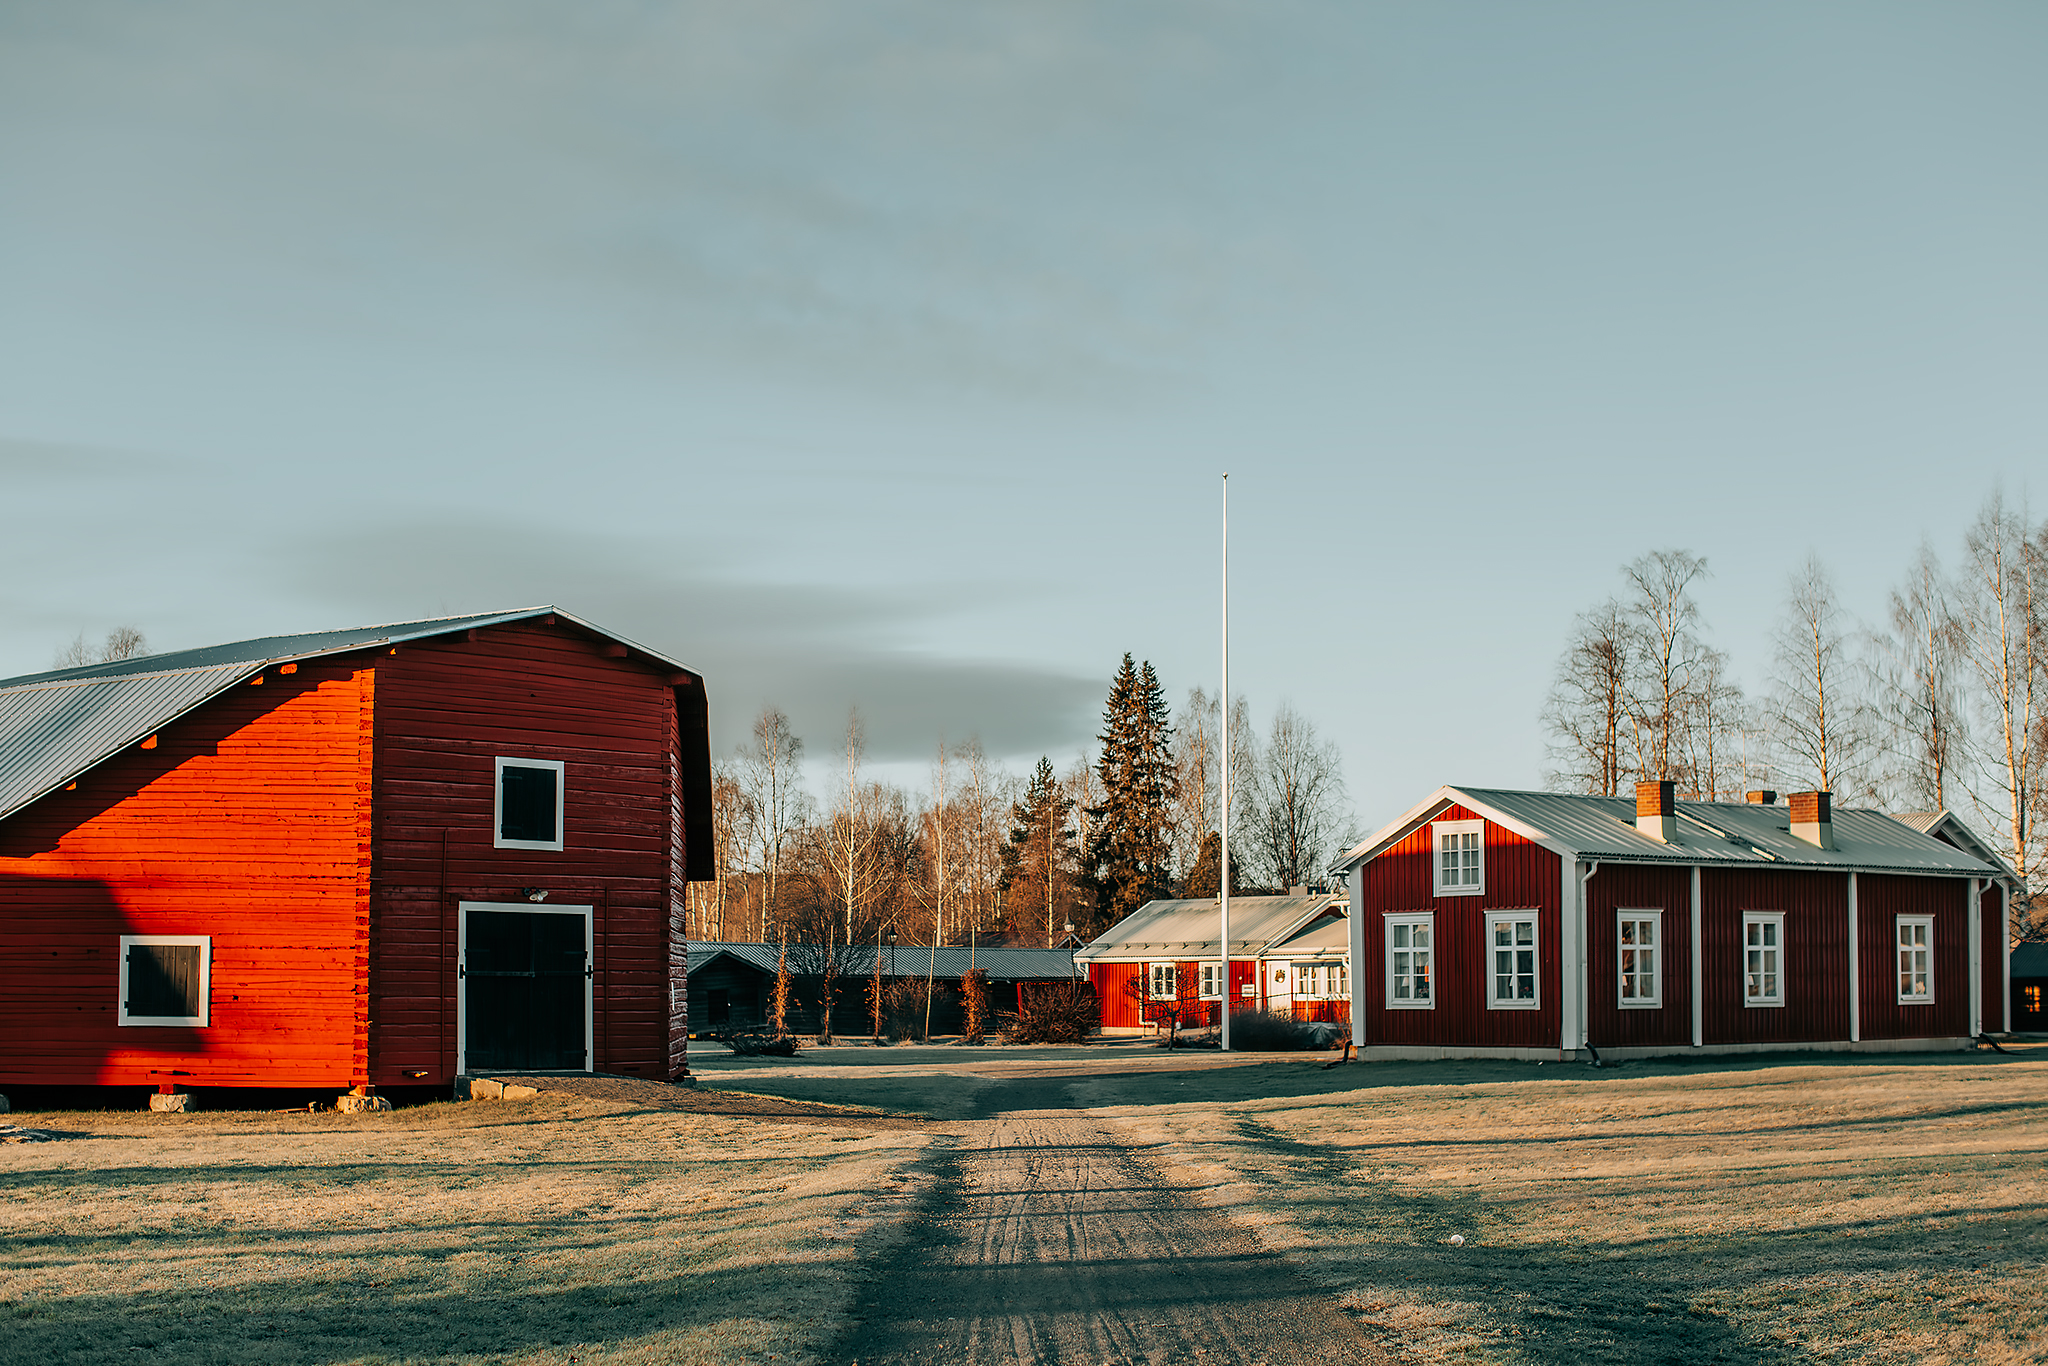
[359, 1105]
[176, 1103]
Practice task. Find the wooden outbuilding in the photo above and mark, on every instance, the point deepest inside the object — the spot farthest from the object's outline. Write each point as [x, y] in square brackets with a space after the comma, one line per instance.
[1541, 925]
[731, 982]
[377, 857]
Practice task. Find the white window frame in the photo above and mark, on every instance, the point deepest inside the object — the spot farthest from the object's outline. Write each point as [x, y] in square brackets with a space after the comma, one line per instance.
[1427, 920]
[498, 840]
[1307, 980]
[1494, 1000]
[1162, 975]
[1655, 999]
[204, 943]
[1438, 833]
[1899, 948]
[1210, 987]
[1777, 971]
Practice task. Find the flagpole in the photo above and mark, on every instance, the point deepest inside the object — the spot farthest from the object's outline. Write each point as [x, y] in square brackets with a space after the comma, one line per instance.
[1223, 871]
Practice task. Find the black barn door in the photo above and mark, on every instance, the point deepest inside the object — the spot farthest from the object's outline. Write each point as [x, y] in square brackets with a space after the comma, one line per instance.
[526, 982]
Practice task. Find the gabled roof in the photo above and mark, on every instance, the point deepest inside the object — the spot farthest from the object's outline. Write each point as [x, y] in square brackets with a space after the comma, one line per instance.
[1945, 825]
[2030, 959]
[54, 726]
[1328, 936]
[1708, 832]
[1189, 928]
[1003, 963]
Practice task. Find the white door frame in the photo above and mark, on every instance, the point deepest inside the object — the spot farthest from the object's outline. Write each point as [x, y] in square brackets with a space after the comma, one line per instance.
[462, 972]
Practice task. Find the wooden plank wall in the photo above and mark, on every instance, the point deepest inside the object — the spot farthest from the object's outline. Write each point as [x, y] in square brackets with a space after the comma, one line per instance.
[1638, 887]
[1880, 900]
[245, 822]
[1815, 954]
[446, 710]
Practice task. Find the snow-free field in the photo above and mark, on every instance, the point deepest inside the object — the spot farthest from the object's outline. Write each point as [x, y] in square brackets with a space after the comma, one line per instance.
[555, 1229]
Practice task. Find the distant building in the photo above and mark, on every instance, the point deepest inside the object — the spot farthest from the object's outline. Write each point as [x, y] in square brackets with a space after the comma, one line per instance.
[1287, 953]
[730, 983]
[382, 856]
[1491, 923]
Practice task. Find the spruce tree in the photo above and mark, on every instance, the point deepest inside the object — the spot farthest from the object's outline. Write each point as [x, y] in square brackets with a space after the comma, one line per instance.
[1129, 849]
[1038, 862]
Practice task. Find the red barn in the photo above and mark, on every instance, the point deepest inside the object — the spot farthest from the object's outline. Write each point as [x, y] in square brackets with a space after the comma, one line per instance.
[385, 857]
[1490, 923]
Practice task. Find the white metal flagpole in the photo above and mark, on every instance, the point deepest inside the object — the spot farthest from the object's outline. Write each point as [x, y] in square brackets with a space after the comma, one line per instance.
[1223, 870]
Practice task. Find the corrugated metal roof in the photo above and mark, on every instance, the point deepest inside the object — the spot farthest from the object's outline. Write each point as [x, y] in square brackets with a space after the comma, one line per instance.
[1188, 928]
[1003, 963]
[1320, 937]
[1708, 832]
[56, 725]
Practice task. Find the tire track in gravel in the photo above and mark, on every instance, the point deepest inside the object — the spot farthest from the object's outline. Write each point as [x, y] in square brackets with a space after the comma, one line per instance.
[1048, 1243]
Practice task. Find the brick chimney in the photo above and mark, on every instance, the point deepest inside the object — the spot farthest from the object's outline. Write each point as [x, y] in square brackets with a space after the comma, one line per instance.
[1657, 811]
[1761, 797]
[1813, 818]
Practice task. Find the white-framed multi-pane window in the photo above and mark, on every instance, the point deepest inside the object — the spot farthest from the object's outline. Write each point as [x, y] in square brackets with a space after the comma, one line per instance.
[1411, 962]
[1161, 981]
[1763, 958]
[166, 979]
[1639, 958]
[1916, 959]
[1511, 967]
[1212, 981]
[1321, 981]
[1460, 861]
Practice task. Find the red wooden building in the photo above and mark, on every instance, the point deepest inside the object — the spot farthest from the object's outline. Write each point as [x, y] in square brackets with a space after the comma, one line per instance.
[1539, 925]
[1163, 958]
[385, 856]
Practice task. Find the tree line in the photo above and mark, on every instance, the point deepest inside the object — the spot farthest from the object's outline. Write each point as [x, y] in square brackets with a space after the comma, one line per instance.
[985, 854]
[1942, 705]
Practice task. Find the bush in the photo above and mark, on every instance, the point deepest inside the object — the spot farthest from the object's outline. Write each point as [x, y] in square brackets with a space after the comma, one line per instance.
[756, 1043]
[1053, 1012]
[1269, 1031]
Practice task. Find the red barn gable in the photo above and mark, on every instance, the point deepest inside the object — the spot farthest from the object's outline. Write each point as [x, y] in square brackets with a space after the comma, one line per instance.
[384, 856]
[1539, 925]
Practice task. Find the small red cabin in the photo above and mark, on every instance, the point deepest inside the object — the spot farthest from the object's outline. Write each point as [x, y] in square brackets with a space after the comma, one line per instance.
[1162, 963]
[386, 856]
[1491, 923]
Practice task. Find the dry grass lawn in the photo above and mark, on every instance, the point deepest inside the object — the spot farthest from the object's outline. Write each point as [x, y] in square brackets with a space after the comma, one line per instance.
[1833, 1209]
[555, 1229]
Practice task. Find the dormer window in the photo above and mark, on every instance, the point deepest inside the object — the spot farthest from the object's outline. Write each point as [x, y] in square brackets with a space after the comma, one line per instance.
[1460, 857]
[528, 811]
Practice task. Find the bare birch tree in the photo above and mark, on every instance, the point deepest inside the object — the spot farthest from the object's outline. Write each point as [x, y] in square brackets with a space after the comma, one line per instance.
[1298, 808]
[1720, 734]
[1590, 703]
[1917, 689]
[123, 642]
[1666, 619]
[1195, 768]
[770, 779]
[1999, 613]
[1820, 724]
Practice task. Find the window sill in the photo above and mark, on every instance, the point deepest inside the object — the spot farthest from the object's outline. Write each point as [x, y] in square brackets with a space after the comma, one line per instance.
[1411, 1005]
[1916, 1000]
[1763, 1005]
[1514, 1005]
[1639, 1005]
[1461, 891]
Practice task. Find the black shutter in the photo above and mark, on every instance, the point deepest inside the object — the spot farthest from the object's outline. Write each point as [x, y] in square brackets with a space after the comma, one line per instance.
[163, 980]
[526, 807]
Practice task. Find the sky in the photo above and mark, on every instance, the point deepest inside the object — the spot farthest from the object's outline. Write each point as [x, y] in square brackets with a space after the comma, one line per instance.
[892, 354]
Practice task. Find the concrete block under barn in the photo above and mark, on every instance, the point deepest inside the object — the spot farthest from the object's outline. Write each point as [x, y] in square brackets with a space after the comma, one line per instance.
[380, 857]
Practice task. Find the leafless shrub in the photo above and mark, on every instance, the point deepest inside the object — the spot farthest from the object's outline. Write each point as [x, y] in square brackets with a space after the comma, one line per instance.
[1053, 1012]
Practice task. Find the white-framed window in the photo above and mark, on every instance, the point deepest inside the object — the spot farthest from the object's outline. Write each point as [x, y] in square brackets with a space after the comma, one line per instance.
[1163, 984]
[1639, 941]
[1511, 967]
[1763, 958]
[1411, 962]
[1916, 960]
[1212, 981]
[166, 979]
[526, 812]
[1460, 857]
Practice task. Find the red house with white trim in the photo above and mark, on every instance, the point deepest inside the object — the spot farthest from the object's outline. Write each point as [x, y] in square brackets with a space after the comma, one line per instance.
[384, 857]
[1287, 953]
[1490, 923]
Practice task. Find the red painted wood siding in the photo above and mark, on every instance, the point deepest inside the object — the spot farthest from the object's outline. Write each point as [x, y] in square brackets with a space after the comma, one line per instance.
[1815, 955]
[1880, 900]
[446, 710]
[1519, 874]
[1638, 887]
[247, 823]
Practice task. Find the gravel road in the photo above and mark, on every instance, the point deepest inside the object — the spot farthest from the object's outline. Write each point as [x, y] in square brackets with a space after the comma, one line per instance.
[1049, 1244]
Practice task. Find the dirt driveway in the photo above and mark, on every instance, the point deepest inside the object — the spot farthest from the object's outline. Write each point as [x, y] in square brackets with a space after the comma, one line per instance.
[1048, 1241]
